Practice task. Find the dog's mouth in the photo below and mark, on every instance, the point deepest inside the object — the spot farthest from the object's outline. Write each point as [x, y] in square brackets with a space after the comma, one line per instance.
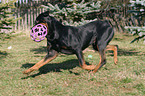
[39, 31]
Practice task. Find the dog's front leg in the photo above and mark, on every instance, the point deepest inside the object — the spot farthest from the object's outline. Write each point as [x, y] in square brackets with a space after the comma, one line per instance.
[82, 63]
[52, 54]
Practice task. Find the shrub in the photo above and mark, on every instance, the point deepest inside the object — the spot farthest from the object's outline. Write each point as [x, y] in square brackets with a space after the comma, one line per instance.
[140, 31]
[139, 13]
[6, 18]
[73, 14]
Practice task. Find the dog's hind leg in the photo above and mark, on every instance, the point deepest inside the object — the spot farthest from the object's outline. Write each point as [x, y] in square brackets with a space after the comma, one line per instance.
[102, 60]
[52, 55]
[82, 63]
[114, 49]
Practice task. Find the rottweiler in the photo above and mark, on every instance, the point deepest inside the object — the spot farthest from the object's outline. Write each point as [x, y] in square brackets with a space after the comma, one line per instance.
[73, 40]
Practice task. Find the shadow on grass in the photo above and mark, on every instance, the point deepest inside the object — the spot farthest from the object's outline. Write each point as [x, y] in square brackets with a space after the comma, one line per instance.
[128, 52]
[3, 54]
[53, 67]
[70, 64]
[41, 49]
[124, 52]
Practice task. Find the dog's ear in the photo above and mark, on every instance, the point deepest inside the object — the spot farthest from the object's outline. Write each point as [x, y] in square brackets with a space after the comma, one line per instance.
[46, 13]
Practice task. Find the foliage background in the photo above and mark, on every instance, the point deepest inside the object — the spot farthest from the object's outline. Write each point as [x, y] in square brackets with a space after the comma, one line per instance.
[7, 20]
[63, 76]
[138, 12]
[120, 13]
[129, 14]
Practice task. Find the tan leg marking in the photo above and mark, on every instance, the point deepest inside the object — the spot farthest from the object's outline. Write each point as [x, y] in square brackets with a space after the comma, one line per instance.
[39, 64]
[114, 49]
[99, 65]
[87, 67]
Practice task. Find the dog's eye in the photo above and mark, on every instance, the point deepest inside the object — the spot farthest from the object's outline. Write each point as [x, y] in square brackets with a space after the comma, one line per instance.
[43, 21]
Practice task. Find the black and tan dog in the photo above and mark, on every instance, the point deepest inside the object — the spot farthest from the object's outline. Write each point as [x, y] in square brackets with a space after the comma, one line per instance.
[73, 40]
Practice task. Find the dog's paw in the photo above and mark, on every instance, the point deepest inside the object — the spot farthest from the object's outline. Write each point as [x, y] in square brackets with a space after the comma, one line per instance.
[89, 67]
[27, 72]
[115, 62]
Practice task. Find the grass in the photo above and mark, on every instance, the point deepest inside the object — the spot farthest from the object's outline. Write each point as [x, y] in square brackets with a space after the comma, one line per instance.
[64, 77]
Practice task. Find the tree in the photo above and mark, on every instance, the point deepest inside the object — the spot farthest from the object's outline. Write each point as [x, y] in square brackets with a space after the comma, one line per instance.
[6, 18]
[138, 12]
[73, 13]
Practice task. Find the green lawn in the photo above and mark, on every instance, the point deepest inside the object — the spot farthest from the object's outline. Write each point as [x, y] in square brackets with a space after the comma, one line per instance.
[64, 77]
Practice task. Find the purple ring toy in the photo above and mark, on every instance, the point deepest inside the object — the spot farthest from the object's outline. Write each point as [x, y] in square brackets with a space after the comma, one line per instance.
[38, 32]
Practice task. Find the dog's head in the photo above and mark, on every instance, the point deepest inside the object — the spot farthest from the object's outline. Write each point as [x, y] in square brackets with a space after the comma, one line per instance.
[49, 22]
[42, 18]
